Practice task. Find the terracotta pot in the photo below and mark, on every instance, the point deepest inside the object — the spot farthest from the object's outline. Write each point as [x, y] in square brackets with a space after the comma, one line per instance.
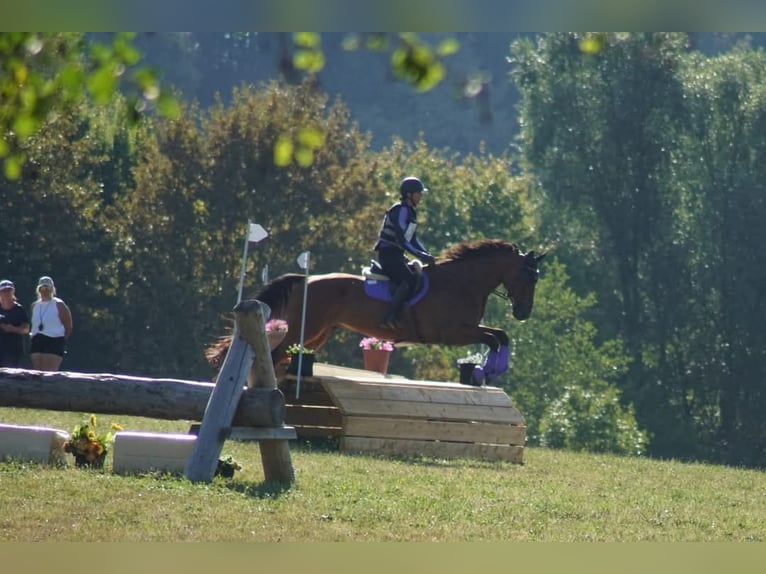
[376, 360]
[275, 338]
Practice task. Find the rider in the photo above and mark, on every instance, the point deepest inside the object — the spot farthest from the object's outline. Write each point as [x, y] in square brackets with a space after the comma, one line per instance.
[397, 235]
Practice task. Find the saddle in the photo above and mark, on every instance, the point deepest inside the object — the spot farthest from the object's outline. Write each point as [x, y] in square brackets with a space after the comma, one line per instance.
[378, 285]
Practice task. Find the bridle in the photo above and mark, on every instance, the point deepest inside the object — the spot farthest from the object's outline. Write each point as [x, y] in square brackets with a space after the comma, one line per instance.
[530, 268]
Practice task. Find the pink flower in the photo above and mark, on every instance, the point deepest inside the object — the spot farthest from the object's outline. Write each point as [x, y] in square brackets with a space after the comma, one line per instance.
[276, 325]
[372, 343]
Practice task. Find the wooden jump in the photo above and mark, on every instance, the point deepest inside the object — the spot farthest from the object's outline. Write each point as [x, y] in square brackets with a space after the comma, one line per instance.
[392, 415]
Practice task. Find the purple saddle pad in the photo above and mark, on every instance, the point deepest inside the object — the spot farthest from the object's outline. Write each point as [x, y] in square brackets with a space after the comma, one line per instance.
[381, 290]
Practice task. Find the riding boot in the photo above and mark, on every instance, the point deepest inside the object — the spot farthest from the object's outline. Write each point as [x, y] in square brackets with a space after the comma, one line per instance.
[398, 300]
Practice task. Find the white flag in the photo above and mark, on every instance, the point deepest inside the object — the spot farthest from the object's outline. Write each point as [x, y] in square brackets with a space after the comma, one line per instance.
[303, 260]
[256, 233]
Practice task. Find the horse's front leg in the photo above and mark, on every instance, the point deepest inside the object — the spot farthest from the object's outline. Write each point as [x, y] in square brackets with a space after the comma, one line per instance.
[496, 362]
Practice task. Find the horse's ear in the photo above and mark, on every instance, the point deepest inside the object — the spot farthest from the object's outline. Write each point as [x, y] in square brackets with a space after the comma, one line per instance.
[539, 258]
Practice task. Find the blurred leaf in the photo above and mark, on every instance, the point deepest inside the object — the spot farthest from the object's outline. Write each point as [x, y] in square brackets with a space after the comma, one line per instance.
[307, 39]
[12, 167]
[593, 44]
[283, 151]
[311, 137]
[25, 125]
[448, 46]
[168, 106]
[309, 60]
[102, 84]
[351, 42]
[304, 156]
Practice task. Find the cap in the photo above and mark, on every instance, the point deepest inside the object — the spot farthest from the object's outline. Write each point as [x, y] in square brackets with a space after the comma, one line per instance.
[45, 281]
[6, 284]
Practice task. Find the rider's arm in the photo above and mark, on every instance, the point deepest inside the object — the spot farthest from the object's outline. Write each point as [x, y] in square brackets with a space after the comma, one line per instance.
[409, 237]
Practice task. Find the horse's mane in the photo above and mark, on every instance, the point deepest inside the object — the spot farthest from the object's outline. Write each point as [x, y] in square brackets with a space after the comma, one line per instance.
[482, 247]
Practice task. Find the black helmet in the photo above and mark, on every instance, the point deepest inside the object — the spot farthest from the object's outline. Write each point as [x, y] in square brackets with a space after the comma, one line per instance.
[411, 185]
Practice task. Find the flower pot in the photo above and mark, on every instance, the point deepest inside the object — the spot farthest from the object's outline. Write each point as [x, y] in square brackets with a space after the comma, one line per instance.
[307, 366]
[466, 374]
[376, 360]
[275, 338]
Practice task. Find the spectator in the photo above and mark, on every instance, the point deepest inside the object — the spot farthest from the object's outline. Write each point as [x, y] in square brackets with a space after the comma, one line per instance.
[14, 324]
[51, 327]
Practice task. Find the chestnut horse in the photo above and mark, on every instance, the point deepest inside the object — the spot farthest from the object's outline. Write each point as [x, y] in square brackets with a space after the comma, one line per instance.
[449, 313]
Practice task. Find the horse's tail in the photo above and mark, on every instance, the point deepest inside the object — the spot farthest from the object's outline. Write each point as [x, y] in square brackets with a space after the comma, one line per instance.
[276, 295]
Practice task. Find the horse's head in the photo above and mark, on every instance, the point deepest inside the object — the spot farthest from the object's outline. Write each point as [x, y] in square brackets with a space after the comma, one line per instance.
[521, 285]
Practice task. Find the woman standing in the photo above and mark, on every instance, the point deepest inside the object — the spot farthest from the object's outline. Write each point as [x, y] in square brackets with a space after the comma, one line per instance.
[51, 327]
[14, 324]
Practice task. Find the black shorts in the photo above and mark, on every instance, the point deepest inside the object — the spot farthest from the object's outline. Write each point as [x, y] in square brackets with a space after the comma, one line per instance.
[50, 345]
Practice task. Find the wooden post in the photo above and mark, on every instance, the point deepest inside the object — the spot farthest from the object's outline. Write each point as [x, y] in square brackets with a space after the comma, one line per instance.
[275, 453]
[249, 339]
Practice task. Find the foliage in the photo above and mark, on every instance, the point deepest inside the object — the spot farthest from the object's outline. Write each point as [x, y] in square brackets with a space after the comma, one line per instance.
[88, 441]
[226, 466]
[42, 74]
[472, 359]
[648, 155]
[368, 343]
[297, 349]
[593, 420]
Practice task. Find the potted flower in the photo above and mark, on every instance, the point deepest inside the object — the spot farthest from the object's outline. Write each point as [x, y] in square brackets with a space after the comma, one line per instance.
[303, 356]
[226, 467]
[466, 365]
[88, 444]
[276, 330]
[376, 352]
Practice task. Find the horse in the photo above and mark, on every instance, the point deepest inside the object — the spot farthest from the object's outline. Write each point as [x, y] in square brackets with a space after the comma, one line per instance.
[450, 312]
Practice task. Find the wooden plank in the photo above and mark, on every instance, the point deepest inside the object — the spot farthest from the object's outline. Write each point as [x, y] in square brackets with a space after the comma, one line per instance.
[259, 434]
[378, 427]
[219, 413]
[298, 415]
[458, 394]
[318, 432]
[436, 449]
[308, 396]
[431, 411]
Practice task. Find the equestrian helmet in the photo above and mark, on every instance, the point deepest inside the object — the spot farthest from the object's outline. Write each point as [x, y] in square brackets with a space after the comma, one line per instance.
[411, 185]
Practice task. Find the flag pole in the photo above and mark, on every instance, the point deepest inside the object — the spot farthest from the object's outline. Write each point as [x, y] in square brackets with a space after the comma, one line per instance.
[303, 262]
[244, 263]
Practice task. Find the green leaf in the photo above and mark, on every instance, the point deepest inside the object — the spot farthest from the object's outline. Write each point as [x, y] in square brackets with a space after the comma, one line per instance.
[12, 168]
[304, 156]
[448, 46]
[283, 151]
[307, 39]
[311, 137]
[309, 60]
[25, 125]
[102, 84]
[168, 106]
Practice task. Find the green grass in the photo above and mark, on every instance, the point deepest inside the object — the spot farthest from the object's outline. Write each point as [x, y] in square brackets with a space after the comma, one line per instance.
[554, 496]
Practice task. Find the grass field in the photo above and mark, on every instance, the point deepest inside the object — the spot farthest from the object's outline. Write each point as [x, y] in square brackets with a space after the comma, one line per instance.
[554, 496]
